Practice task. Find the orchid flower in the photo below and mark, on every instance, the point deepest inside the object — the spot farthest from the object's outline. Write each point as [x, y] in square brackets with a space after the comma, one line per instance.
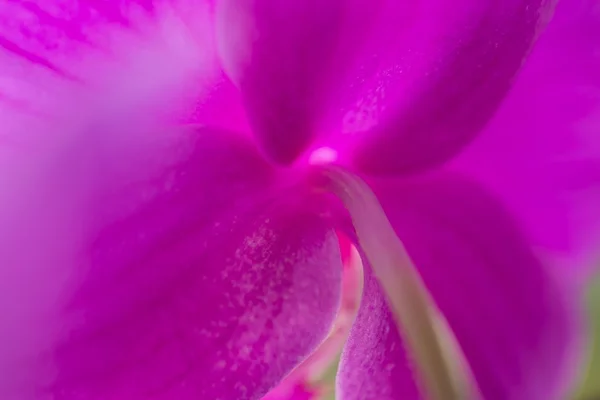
[174, 175]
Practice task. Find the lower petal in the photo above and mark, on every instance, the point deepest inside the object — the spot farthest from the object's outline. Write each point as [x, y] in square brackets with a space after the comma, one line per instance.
[220, 316]
[374, 363]
[311, 380]
[512, 320]
[157, 265]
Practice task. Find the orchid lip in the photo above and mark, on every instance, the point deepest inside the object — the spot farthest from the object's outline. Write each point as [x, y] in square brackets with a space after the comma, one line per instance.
[441, 373]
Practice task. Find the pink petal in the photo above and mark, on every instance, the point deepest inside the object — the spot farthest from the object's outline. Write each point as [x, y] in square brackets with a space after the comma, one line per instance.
[541, 152]
[234, 315]
[158, 266]
[111, 221]
[462, 60]
[509, 315]
[277, 53]
[221, 106]
[80, 85]
[64, 60]
[162, 274]
[310, 379]
[300, 392]
[398, 85]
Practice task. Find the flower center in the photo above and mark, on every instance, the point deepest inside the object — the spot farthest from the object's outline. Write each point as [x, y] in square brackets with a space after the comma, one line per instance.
[415, 313]
[322, 155]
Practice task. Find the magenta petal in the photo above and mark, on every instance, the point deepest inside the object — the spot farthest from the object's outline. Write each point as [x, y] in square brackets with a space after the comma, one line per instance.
[277, 52]
[60, 60]
[156, 267]
[301, 64]
[374, 364]
[398, 85]
[433, 90]
[221, 106]
[220, 314]
[541, 152]
[508, 313]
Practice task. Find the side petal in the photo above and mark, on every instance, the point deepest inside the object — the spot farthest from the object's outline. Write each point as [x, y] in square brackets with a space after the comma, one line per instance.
[395, 85]
[508, 313]
[158, 266]
[541, 152]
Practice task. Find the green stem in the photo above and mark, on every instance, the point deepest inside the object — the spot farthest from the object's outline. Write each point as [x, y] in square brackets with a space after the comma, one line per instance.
[412, 307]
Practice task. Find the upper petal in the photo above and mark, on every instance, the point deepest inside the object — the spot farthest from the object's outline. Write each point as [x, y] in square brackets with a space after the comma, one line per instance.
[512, 319]
[541, 152]
[462, 60]
[158, 266]
[278, 53]
[397, 85]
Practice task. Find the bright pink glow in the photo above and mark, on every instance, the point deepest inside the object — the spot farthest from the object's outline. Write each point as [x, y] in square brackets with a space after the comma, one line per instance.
[323, 155]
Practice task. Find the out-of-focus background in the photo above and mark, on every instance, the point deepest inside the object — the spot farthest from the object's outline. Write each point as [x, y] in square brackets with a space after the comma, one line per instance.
[590, 387]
